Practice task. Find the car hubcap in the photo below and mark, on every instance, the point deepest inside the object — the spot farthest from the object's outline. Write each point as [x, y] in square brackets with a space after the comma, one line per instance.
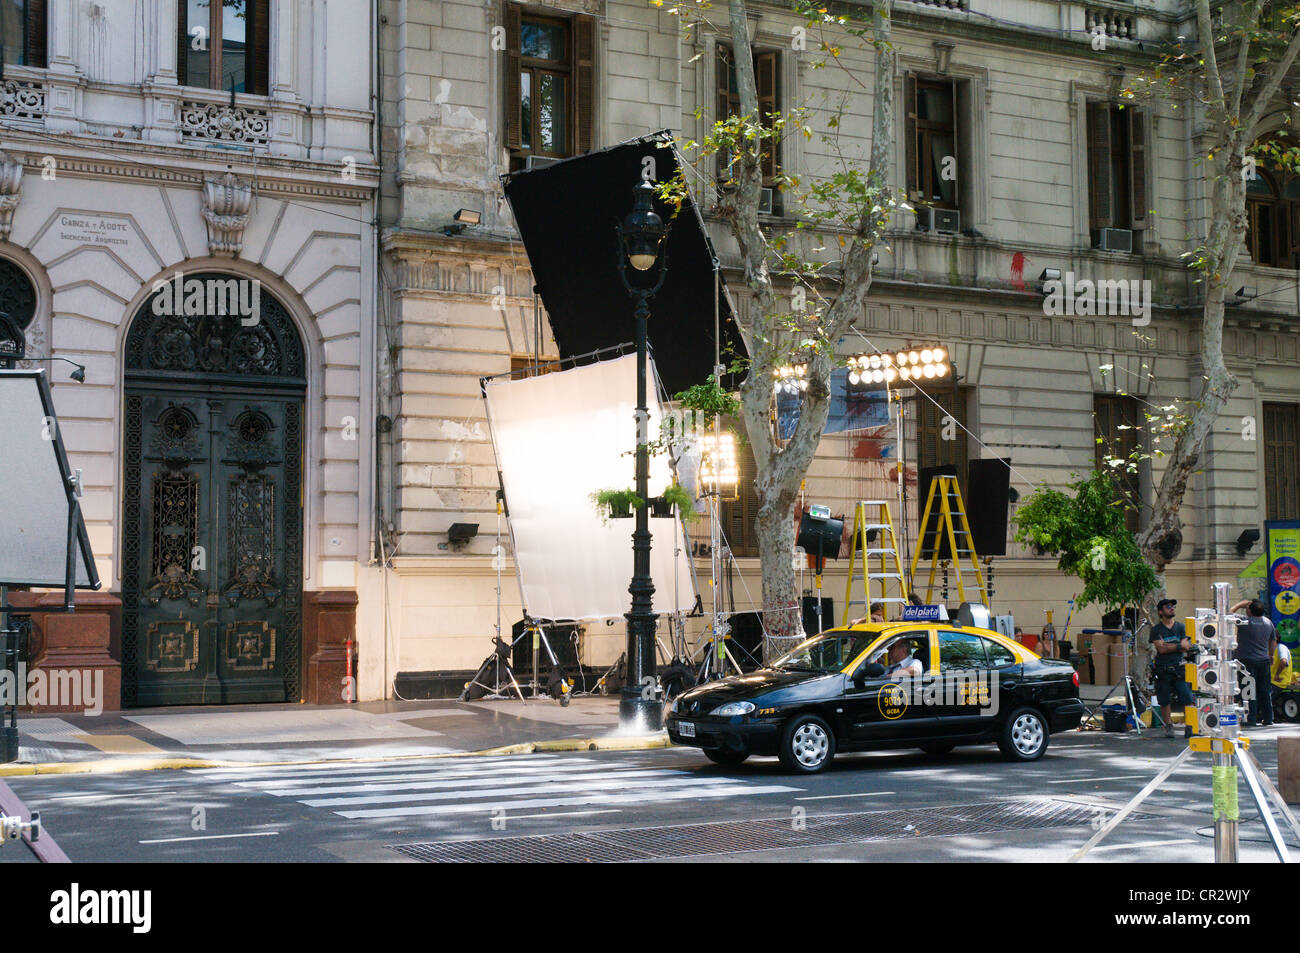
[1027, 734]
[1290, 707]
[810, 745]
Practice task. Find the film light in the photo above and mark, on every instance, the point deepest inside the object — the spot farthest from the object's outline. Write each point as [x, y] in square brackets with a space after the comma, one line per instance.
[929, 362]
[719, 470]
[791, 378]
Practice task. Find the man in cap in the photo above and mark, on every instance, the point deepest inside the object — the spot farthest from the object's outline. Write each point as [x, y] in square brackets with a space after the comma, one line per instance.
[1169, 639]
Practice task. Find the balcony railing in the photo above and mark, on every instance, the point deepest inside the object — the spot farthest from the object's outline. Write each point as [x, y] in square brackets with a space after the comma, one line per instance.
[1121, 26]
[222, 123]
[20, 99]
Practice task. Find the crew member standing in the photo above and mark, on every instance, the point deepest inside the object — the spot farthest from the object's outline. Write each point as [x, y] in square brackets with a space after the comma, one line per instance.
[1170, 641]
[1256, 643]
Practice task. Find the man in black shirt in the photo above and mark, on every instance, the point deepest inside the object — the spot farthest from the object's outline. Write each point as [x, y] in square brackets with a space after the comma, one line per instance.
[1170, 641]
[1256, 645]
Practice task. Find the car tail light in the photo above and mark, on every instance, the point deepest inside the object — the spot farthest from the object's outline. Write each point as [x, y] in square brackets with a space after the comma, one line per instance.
[1075, 676]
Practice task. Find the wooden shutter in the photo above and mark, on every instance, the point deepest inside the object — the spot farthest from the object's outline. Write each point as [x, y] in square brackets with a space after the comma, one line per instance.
[259, 69]
[956, 144]
[765, 74]
[514, 133]
[1281, 461]
[1138, 193]
[722, 83]
[34, 34]
[1100, 213]
[909, 135]
[182, 43]
[584, 31]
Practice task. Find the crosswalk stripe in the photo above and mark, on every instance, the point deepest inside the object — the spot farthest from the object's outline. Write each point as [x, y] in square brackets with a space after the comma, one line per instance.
[647, 785]
[352, 767]
[425, 784]
[290, 783]
[439, 809]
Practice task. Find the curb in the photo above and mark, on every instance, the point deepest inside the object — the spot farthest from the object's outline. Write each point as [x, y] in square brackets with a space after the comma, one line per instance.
[127, 765]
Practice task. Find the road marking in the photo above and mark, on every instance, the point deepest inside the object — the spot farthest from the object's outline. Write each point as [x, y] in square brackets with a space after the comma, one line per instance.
[291, 785]
[104, 797]
[463, 783]
[827, 797]
[491, 798]
[1147, 843]
[118, 744]
[1119, 777]
[173, 840]
[485, 807]
[524, 817]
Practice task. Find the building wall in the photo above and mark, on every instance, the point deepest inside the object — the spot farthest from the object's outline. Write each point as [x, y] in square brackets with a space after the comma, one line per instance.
[460, 306]
[111, 201]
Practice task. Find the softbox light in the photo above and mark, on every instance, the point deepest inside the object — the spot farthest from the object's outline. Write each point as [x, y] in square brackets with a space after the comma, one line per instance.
[35, 483]
[566, 214]
[559, 438]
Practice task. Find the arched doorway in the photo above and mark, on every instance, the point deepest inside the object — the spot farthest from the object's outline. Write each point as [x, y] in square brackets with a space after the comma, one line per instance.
[212, 502]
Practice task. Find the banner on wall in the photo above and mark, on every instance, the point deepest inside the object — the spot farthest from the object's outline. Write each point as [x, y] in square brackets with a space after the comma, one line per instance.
[1282, 547]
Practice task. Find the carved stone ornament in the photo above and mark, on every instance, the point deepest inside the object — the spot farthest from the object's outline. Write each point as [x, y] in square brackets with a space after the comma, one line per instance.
[226, 204]
[11, 180]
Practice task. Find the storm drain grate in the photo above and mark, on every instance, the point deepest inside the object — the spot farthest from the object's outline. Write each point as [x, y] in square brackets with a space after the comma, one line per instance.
[657, 843]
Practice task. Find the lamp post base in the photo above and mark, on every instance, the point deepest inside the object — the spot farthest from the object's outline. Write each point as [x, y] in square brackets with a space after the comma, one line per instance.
[640, 715]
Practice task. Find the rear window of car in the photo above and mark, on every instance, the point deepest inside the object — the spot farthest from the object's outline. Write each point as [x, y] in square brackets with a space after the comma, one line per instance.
[998, 653]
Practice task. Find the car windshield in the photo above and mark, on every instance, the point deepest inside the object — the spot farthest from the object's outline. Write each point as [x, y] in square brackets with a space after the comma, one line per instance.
[828, 652]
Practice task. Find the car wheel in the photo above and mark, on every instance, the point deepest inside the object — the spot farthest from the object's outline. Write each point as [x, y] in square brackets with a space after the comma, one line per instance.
[725, 755]
[1290, 708]
[807, 745]
[1024, 735]
[938, 747]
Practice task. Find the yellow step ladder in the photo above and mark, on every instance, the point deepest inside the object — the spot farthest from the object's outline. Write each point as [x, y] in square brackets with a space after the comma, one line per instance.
[883, 524]
[952, 526]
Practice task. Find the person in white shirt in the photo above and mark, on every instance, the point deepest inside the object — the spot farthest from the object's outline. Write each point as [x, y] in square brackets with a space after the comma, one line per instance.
[901, 661]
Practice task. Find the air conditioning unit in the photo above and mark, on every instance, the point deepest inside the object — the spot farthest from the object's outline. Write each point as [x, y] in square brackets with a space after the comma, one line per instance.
[943, 220]
[1116, 239]
[765, 201]
[538, 162]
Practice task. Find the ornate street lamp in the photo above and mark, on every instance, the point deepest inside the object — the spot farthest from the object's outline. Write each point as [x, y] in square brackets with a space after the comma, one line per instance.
[641, 237]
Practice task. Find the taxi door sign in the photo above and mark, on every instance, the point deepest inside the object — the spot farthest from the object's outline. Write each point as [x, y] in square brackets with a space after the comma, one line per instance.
[1282, 549]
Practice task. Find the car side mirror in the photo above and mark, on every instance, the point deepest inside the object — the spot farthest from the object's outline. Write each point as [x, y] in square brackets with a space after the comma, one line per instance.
[866, 671]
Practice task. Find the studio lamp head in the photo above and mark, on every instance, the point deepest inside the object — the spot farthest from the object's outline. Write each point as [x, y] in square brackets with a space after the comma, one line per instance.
[643, 229]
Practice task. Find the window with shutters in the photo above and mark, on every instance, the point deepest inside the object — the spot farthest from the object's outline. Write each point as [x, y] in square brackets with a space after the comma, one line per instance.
[549, 85]
[931, 141]
[1273, 214]
[1115, 431]
[727, 104]
[940, 437]
[1117, 170]
[22, 32]
[224, 45]
[1282, 461]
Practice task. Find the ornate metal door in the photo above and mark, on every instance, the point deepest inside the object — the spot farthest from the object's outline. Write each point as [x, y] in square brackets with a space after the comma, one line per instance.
[212, 528]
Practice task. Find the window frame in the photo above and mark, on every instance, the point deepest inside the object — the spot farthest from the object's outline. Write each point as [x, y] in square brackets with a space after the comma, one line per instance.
[1109, 412]
[534, 67]
[1116, 148]
[919, 133]
[979, 641]
[1281, 463]
[580, 96]
[766, 61]
[257, 47]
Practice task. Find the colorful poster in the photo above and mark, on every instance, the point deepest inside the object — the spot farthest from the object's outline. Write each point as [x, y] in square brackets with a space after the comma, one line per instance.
[1282, 546]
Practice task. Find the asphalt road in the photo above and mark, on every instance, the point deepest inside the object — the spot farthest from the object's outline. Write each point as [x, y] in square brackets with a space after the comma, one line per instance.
[667, 804]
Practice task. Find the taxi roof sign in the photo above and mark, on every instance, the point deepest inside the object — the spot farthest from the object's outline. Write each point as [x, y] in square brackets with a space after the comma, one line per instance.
[934, 613]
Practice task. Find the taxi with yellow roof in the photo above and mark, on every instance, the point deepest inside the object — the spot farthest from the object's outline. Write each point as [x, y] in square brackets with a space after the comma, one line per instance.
[927, 685]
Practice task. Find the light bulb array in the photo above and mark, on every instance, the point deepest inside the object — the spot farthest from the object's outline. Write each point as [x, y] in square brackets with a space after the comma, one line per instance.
[911, 365]
[719, 469]
[791, 378]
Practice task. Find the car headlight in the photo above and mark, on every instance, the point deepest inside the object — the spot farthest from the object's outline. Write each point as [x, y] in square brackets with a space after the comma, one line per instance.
[672, 709]
[733, 708]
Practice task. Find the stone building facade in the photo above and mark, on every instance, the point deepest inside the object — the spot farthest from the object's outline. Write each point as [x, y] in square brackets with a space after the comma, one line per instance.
[1051, 174]
[187, 209]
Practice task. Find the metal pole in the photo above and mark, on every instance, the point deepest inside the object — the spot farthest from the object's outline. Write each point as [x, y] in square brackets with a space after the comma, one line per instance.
[1226, 843]
[634, 707]
[9, 654]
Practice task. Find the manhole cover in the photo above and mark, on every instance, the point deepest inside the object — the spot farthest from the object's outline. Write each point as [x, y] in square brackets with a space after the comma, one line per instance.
[658, 843]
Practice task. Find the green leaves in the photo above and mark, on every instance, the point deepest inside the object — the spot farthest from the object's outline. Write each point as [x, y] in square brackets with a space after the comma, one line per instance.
[1087, 531]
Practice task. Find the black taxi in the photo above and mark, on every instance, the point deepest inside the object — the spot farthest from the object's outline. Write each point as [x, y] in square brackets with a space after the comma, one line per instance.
[883, 685]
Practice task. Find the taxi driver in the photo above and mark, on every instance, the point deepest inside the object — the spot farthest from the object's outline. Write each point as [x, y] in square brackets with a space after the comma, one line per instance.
[901, 662]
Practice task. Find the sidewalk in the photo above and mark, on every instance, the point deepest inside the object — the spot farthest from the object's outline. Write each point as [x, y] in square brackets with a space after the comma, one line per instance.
[144, 739]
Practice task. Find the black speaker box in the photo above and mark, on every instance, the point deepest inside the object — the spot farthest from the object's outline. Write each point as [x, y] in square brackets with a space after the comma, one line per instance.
[988, 485]
[810, 614]
[746, 642]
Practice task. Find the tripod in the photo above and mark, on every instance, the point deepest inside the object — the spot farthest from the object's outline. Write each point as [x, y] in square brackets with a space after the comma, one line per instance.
[499, 661]
[1131, 693]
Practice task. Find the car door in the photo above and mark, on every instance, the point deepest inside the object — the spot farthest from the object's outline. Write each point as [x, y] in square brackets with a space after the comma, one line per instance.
[963, 683]
[886, 708]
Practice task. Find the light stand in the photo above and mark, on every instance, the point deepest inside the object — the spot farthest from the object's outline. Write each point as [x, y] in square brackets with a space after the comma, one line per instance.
[640, 238]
